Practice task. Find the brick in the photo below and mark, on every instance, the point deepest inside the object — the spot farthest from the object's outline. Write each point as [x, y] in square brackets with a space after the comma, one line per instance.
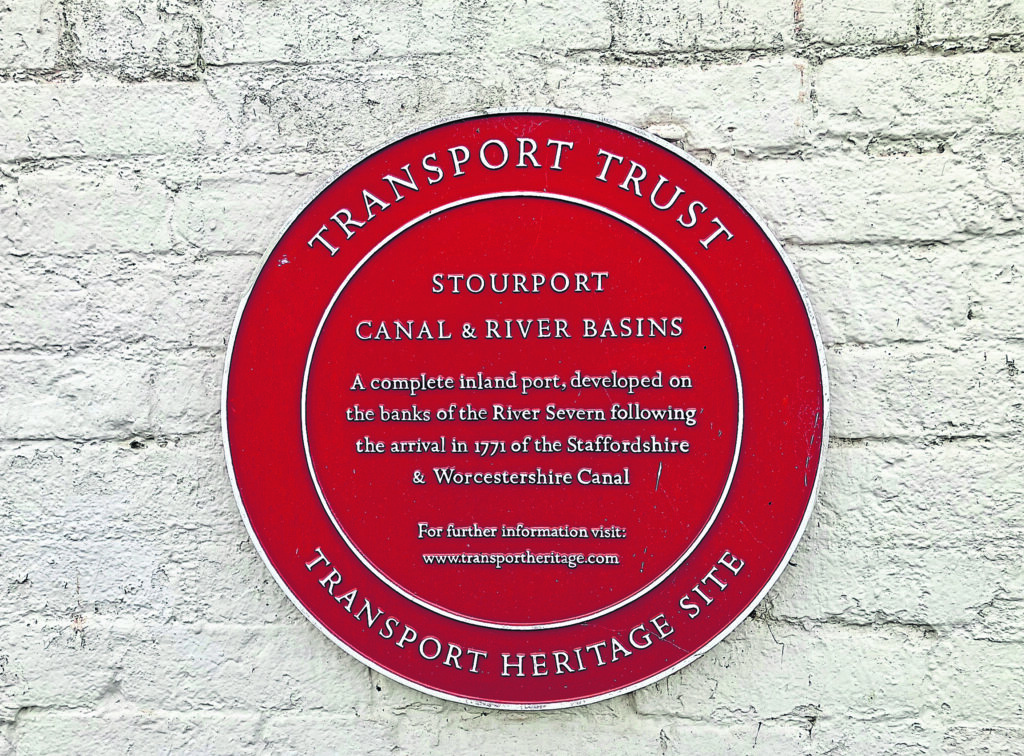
[922, 95]
[98, 118]
[115, 472]
[462, 730]
[304, 733]
[189, 668]
[957, 21]
[128, 493]
[29, 35]
[993, 695]
[757, 104]
[137, 39]
[792, 735]
[857, 22]
[524, 25]
[921, 508]
[73, 209]
[130, 730]
[830, 579]
[995, 281]
[169, 300]
[135, 391]
[704, 25]
[1000, 620]
[10, 223]
[982, 738]
[922, 496]
[244, 212]
[852, 197]
[176, 667]
[843, 736]
[353, 107]
[767, 671]
[246, 31]
[50, 663]
[569, 734]
[884, 293]
[52, 577]
[922, 390]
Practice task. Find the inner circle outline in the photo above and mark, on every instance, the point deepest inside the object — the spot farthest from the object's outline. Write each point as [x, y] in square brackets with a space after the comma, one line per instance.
[473, 620]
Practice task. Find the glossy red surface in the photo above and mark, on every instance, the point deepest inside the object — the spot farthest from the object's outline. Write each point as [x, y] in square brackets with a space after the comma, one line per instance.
[691, 290]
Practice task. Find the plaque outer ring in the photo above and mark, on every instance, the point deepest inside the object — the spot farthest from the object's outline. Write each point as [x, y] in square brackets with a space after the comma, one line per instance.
[369, 154]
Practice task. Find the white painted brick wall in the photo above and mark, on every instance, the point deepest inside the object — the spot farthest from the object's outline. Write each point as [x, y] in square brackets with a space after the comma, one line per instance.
[890, 22]
[151, 38]
[59, 119]
[250, 31]
[29, 34]
[760, 105]
[151, 149]
[704, 25]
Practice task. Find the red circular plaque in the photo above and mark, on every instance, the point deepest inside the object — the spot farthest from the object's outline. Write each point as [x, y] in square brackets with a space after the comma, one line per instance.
[525, 410]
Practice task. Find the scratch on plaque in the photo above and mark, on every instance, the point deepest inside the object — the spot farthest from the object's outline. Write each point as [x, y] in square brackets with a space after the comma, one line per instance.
[750, 532]
[807, 461]
[658, 481]
[643, 562]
